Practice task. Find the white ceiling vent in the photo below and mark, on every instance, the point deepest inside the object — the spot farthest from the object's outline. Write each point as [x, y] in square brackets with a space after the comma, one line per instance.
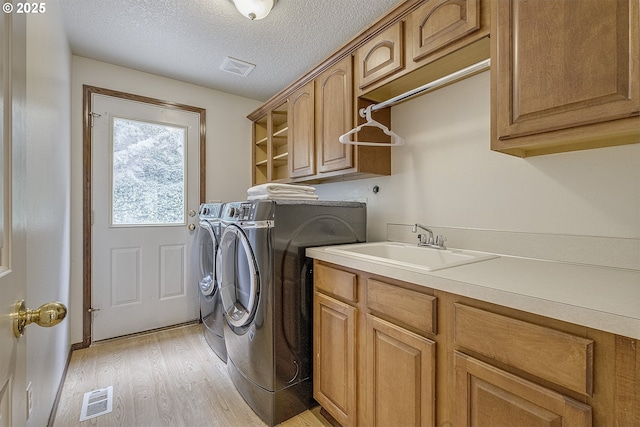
[236, 66]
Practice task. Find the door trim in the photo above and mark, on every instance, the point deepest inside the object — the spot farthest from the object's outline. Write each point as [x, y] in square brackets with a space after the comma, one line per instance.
[87, 197]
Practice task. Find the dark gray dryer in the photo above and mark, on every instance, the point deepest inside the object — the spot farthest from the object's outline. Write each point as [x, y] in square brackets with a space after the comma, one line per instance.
[266, 282]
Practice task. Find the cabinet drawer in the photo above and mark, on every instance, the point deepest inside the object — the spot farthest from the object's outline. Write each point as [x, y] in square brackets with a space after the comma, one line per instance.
[555, 356]
[411, 308]
[338, 283]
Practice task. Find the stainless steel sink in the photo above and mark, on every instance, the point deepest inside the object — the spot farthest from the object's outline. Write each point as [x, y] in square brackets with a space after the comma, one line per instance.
[410, 256]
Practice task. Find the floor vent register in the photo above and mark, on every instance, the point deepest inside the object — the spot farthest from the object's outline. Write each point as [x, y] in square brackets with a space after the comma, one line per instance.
[96, 403]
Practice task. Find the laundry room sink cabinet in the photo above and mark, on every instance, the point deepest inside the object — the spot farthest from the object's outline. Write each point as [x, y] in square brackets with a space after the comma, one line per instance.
[392, 353]
[334, 341]
[373, 359]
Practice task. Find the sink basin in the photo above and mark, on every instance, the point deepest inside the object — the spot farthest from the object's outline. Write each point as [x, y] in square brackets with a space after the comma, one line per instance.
[409, 256]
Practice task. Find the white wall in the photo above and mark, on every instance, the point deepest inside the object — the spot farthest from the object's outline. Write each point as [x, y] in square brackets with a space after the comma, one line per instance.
[446, 176]
[48, 198]
[228, 144]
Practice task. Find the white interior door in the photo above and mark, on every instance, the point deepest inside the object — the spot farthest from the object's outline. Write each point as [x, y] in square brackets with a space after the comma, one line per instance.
[145, 168]
[12, 224]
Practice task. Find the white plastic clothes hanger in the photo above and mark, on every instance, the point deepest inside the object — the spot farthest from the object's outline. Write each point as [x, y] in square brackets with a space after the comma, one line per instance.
[366, 113]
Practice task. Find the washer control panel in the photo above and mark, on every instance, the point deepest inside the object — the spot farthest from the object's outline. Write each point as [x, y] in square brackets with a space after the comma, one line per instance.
[249, 211]
[238, 211]
[242, 212]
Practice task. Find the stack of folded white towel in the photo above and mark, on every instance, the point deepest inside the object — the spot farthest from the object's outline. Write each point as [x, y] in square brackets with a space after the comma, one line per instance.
[275, 191]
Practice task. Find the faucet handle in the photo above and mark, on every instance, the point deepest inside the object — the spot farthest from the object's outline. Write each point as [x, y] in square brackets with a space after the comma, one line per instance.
[440, 239]
[421, 239]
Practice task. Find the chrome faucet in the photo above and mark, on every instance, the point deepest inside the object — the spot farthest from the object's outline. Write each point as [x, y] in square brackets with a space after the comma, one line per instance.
[428, 241]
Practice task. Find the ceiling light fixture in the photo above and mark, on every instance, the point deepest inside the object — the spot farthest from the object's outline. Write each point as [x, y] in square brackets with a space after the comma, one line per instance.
[254, 9]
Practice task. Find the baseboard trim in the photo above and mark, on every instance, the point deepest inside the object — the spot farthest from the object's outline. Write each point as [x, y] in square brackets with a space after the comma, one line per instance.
[56, 401]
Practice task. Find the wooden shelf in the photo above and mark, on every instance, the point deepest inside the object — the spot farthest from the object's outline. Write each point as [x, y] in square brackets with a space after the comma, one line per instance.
[281, 133]
[279, 141]
[270, 147]
[281, 159]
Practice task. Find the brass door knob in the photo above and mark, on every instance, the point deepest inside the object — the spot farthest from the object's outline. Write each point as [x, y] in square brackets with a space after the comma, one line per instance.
[191, 227]
[47, 315]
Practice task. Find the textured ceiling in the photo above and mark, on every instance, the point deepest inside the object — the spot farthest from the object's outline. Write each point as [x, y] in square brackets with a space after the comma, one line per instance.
[188, 40]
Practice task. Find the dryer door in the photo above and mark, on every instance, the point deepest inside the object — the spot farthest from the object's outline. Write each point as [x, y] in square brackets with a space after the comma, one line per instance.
[238, 278]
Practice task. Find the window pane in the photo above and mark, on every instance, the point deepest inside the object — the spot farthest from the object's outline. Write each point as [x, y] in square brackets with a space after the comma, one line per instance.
[148, 173]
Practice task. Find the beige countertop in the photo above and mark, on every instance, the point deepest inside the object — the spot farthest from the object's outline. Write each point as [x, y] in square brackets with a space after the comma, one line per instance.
[601, 298]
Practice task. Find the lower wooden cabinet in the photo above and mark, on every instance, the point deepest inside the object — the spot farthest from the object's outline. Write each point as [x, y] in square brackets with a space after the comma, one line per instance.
[391, 353]
[373, 364]
[334, 343]
[400, 382]
[488, 396]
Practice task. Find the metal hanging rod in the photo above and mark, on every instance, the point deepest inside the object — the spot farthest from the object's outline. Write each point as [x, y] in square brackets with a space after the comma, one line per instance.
[396, 139]
[472, 69]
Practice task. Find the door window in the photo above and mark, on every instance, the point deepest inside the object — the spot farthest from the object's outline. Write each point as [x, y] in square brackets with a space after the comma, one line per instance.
[148, 173]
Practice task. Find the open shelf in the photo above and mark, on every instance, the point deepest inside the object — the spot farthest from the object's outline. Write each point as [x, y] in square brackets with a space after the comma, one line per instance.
[271, 146]
[281, 160]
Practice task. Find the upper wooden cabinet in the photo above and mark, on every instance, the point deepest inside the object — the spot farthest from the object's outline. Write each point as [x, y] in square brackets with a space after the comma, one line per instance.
[395, 60]
[334, 116]
[380, 57]
[301, 134]
[436, 24]
[564, 75]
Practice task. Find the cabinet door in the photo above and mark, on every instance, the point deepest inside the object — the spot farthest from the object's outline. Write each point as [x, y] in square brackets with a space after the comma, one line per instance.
[334, 116]
[334, 345]
[380, 57]
[437, 24]
[400, 376]
[488, 396]
[301, 132]
[562, 64]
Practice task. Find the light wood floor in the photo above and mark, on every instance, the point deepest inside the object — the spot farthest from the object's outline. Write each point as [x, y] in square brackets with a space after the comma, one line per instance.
[165, 378]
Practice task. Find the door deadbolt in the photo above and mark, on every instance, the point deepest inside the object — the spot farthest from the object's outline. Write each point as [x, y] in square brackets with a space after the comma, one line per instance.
[47, 315]
[192, 213]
